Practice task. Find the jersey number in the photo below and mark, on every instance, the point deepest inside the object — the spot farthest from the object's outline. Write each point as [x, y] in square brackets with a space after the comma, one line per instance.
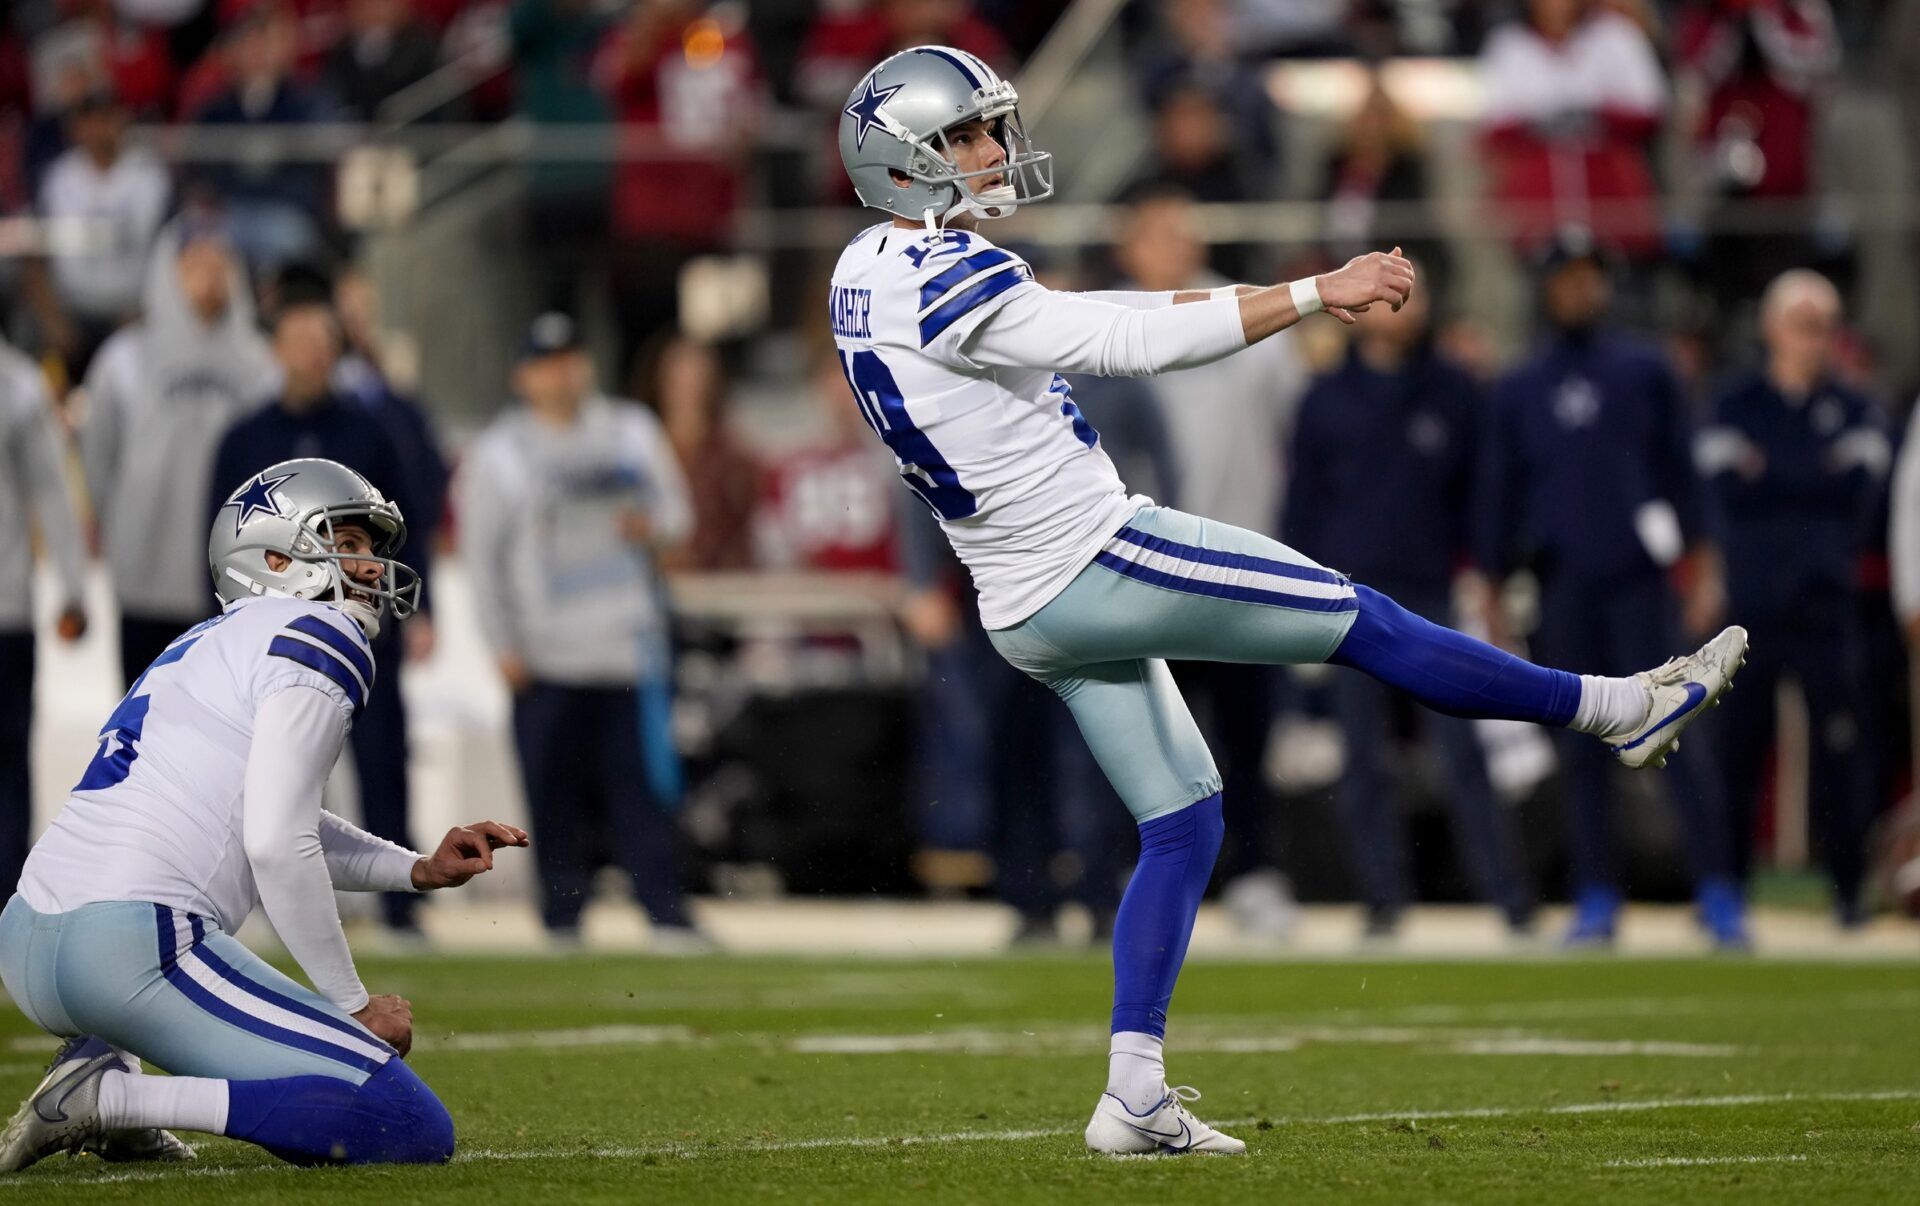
[120, 736]
[885, 410]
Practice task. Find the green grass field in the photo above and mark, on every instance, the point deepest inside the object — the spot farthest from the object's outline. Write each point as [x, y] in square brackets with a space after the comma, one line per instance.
[590, 1078]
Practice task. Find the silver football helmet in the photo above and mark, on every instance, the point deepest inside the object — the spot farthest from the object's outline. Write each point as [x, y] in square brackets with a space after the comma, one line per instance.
[897, 120]
[291, 508]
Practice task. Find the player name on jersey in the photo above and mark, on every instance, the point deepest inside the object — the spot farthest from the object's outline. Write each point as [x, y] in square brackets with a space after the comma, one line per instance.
[852, 312]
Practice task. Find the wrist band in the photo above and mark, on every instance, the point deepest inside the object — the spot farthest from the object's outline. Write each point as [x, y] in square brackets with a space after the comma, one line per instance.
[1306, 296]
[1225, 291]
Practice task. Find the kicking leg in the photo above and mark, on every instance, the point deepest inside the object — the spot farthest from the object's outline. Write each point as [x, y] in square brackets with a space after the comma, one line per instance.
[1639, 718]
[1174, 585]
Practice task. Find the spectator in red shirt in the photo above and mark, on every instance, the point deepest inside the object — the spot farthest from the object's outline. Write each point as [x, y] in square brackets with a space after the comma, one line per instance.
[1759, 66]
[681, 80]
[1574, 98]
[829, 504]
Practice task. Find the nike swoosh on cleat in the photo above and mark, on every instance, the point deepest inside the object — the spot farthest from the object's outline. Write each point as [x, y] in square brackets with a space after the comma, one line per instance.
[1161, 1136]
[1695, 694]
[59, 1106]
[1178, 1140]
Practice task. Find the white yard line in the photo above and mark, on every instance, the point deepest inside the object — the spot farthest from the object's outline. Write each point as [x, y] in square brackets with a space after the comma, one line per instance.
[1703, 1161]
[841, 1142]
[547, 1040]
[1551, 1046]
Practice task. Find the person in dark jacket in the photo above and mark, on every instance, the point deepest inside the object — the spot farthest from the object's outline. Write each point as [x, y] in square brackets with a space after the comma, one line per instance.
[1796, 462]
[1381, 486]
[310, 418]
[1587, 476]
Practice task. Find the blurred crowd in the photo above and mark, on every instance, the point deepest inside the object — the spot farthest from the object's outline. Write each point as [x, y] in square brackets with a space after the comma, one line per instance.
[1693, 430]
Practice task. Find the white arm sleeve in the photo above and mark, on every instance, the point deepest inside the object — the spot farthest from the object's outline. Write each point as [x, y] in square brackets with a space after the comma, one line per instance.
[297, 734]
[1070, 333]
[357, 861]
[1133, 299]
[1903, 536]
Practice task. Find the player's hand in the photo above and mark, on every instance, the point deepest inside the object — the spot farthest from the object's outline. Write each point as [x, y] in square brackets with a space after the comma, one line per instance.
[514, 670]
[465, 852]
[1366, 279]
[391, 1020]
[72, 624]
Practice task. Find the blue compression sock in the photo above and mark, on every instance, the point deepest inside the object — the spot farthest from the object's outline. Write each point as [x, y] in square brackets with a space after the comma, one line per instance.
[1156, 915]
[1450, 671]
[393, 1118]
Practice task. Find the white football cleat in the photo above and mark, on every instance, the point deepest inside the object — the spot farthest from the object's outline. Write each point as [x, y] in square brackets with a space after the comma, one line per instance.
[1680, 691]
[1167, 1127]
[63, 1112]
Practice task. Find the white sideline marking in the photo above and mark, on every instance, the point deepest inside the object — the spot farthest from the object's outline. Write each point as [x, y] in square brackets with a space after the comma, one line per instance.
[1501, 1042]
[1700, 1161]
[1547, 1046]
[584, 1036]
[694, 1151]
[1574, 1010]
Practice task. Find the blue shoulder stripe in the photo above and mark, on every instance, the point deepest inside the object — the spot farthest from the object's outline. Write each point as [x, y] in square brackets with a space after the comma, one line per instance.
[966, 300]
[357, 654]
[937, 286]
[322, 660]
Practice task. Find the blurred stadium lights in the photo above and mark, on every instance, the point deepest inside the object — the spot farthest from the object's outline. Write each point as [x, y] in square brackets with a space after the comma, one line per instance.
[1428, 89]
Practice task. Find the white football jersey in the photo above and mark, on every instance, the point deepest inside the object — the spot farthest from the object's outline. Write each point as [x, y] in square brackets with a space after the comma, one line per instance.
[1001, 456]
[158, 814]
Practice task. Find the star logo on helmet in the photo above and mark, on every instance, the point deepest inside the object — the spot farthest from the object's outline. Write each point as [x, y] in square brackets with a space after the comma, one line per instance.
[257, 497]
[865, 110]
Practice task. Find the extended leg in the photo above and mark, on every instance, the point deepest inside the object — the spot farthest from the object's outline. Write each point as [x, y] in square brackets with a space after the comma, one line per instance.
[1450, 671]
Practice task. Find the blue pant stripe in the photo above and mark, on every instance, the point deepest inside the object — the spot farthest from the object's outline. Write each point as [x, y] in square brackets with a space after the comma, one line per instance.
[163, 920]
[188, 988]
[226, 972]
[1265, 565]
[1220, 590]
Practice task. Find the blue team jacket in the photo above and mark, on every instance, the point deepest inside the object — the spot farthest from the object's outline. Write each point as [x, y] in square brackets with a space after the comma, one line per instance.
[1580, 437]
[1380, 472]
[1793, 484]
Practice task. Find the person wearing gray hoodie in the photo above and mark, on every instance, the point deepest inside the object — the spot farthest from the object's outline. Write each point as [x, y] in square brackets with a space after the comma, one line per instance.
[161, 394]
[33, 497]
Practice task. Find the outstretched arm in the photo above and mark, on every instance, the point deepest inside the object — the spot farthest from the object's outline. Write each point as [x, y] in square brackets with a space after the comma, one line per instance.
[1083, 333]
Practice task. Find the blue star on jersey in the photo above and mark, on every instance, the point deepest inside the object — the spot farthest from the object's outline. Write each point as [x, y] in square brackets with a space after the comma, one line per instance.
[257, 497]
[865, 109]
